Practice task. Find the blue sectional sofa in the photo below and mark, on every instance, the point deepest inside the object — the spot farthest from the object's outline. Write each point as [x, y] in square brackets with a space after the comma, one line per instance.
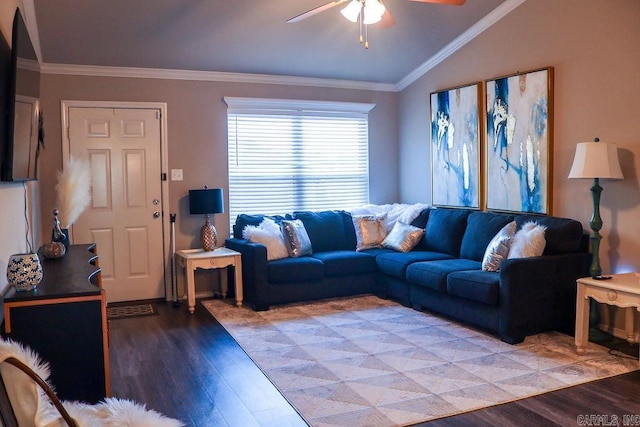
[441, 274]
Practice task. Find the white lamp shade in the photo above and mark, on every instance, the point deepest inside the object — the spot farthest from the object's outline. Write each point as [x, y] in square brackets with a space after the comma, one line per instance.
[596, 160]
[373, 11]
[352, 10]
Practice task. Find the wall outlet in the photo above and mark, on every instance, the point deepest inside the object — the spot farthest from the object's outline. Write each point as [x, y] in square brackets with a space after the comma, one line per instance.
[176, 174]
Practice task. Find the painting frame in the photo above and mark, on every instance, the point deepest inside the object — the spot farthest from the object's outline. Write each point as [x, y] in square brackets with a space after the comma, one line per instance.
[519, 142]
[455, 147]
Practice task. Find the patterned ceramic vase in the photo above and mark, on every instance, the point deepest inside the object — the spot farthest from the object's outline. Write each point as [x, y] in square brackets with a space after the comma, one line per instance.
[24, 271]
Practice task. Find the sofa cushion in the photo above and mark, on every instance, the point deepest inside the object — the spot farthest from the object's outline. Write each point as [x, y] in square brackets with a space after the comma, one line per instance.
[563, 235]
[433, 274]
[445, 230]
[326, 230]
[403, 237]
[346, 263]
[396, 263]
[301, 269]
[243, 220]
[481, 228]
[529, 241]
[296, 238]
[479, 286]
[370, 231]
[267, 233]
[498, 248]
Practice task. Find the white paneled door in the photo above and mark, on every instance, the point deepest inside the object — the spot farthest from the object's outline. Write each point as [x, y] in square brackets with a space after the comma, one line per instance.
[124, 217]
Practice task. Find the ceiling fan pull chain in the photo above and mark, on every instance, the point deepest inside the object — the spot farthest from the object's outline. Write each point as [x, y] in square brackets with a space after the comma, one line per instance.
[361, 21]
[366, 36]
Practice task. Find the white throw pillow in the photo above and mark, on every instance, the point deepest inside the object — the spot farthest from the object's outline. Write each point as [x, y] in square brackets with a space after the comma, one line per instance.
[267, 233]
[403, 237]
[498, 248]
[528, 241]
[370, 231]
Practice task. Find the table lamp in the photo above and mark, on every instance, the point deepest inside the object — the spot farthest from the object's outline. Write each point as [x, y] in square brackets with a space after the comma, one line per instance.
[596, 160]
[206, 201]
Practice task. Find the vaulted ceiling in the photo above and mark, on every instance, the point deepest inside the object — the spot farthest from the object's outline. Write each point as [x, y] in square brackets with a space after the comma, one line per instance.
[252, 36]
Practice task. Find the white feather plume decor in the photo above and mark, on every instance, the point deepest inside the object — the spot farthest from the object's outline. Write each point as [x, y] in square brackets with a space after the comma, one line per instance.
[74, 190]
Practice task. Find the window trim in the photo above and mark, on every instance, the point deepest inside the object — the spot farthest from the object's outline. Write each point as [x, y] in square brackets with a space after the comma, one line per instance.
[244, 105]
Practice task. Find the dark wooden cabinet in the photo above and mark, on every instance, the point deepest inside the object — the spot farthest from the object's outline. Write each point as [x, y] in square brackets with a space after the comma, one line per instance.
[64, 320]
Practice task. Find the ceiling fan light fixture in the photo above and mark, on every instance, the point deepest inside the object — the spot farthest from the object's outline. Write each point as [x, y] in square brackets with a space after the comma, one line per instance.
[352, 10]
[373, 11]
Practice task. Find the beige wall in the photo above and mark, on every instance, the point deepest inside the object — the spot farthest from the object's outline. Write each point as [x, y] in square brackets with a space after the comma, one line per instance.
[593, 47]
[197, 133]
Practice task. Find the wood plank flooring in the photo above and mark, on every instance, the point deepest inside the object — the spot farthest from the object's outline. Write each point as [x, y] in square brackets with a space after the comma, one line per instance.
[188, 367]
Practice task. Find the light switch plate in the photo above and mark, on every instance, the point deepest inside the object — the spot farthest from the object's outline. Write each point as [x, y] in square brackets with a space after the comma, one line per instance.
[176, 174]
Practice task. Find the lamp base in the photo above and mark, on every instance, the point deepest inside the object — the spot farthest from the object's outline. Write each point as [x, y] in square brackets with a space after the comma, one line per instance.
[208, 237]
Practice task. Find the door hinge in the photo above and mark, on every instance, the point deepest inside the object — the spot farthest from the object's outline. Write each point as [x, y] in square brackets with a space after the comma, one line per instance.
[163, 176]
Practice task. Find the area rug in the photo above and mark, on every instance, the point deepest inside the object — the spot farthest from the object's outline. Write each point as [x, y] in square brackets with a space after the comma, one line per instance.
[126, 311]
[366, 361]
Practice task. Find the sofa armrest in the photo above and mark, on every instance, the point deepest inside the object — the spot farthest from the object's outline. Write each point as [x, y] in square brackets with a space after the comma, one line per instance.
[538, 294]
[254, 271]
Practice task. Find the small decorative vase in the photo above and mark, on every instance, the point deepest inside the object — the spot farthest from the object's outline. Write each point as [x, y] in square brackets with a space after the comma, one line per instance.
[24, 271]
[52, 250]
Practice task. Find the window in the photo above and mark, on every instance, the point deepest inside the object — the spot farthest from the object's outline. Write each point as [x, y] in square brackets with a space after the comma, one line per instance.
[296, 155]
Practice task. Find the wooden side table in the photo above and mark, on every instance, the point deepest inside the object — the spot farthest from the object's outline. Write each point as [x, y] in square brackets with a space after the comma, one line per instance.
[622, 290]
[190, 259]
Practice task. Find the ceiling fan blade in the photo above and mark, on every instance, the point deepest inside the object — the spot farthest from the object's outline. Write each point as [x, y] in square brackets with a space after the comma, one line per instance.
[387, 20]
[452, 2]
[315, 11]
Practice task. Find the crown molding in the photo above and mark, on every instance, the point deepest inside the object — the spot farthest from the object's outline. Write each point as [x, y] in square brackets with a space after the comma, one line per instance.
[475, 30]
[213, 76]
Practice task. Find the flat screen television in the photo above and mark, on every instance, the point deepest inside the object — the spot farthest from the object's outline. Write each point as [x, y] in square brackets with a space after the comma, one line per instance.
[23, 133]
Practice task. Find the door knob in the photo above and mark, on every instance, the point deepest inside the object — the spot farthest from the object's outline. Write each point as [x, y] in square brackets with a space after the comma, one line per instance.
[156, 214]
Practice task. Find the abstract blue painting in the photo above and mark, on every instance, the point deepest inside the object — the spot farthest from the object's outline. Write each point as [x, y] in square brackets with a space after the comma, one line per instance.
[518, 142]
[455, 147]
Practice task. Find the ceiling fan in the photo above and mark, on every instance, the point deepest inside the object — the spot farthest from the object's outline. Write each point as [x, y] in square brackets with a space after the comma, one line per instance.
[364, 12]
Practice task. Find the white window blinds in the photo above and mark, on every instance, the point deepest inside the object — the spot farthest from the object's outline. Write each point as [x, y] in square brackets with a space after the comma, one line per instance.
[296, 155]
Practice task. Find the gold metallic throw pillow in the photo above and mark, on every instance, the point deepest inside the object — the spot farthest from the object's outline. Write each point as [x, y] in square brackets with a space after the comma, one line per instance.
[498, 248]
[296, 238]
[403, 237]
[370, 231]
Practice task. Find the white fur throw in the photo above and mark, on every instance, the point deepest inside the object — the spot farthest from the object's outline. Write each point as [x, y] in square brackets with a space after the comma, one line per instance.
[267, 233]
[33, 408]
[528, 241]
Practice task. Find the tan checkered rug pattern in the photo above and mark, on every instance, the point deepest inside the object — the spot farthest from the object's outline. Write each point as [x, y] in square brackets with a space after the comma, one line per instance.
[366, 361]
